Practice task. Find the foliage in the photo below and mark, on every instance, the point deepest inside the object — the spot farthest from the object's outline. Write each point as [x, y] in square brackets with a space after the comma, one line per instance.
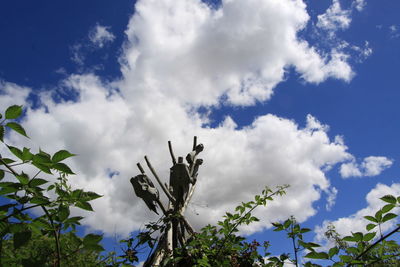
[36, 227]
[222, 246]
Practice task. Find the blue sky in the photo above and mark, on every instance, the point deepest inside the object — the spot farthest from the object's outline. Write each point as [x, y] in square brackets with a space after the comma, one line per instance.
[298, 92]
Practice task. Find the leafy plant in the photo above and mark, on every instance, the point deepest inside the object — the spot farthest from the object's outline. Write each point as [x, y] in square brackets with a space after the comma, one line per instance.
[37, 208]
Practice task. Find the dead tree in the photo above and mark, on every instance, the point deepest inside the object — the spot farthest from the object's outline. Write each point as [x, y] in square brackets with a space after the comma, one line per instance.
[182, 181]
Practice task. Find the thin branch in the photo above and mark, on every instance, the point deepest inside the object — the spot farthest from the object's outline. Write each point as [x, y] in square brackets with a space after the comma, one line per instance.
[194, 142]
[171, 198]
[55, 236]
[187, 225]
[244, 216]
[378, 260]
[36, 175]
[16, 164]
[8, 167]
[21, 210]
[140, 168]
[171, 152]
[376, 243]
[188, 198]
[162, 207]
[294, 246]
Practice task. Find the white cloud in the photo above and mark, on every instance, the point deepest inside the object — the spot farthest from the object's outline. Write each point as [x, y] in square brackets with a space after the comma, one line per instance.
[239, 52]
[332, 194]
[375, 165]
[356, 222]
[180, 55]
[335, 18]
[12, 94]
[359, 4]
[77, 54]
[363, 52]
[100, 35]
[109, 132]
[371, 166]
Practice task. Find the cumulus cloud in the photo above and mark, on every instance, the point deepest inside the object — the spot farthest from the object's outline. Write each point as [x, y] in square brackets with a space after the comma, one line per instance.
[108, 132]
[237, 53]
[12, 94]
[181, 55]
[356, 222]
[370, 166]
[101, 35]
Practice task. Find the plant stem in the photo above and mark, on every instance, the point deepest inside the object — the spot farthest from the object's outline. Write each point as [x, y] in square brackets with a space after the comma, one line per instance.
[294, 245]
[376, 243]
[56, 237]
[19, 211]
[241, 220]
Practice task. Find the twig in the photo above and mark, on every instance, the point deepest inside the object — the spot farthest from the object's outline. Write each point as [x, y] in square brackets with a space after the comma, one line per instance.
[171, 152]
[55, 236]
[376, 243]
[194, 142]
[140, 168]
[26, 208]
[188, 226]
[171, 198]
[161, 207]
[188, 198]
[8, 167]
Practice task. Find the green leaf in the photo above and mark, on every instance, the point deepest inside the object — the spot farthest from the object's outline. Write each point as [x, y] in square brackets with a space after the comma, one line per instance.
[16, 127]
[389, 199]
[92, 239]
[2, 173]
[16, 152]
[90, 195]
[62, 168]
[2, 133]
[372, 219]
[61, 155]
[387, 208]
[51, 187]
[353, 250]
[37, 182]
[39, 200]
[7, 161]
[287, 223]
[370, 226]
[63, 213]
[305, 230]
[369, 236]
[378, 215]
[333, 251]
[349, 239]
[41, 158]
[345, 258]
[358, 236]
[26, 154]
[73, 220]
[84, 205]
[23, 178]
[13, 112]
[317, 255]
[21, 238]
[388, 217]
[42, 167]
